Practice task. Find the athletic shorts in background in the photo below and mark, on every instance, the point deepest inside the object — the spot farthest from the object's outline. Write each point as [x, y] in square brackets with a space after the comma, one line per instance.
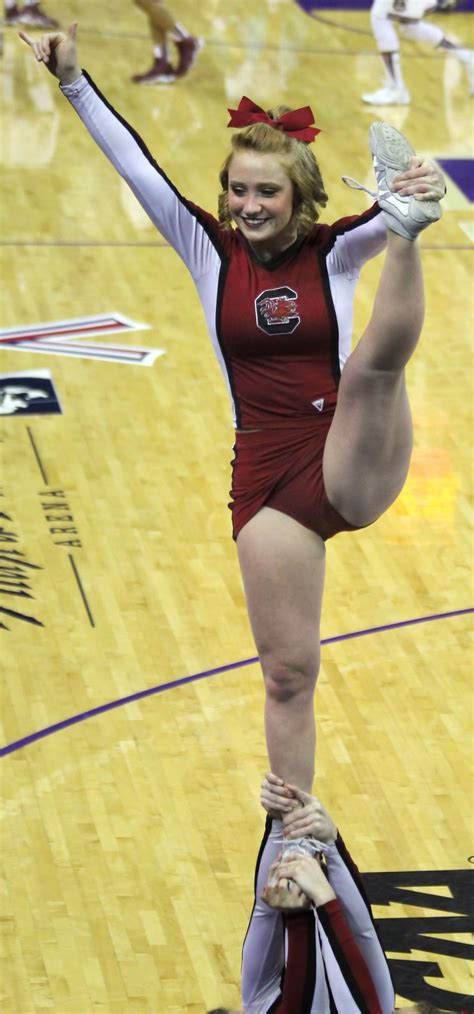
[412, 10]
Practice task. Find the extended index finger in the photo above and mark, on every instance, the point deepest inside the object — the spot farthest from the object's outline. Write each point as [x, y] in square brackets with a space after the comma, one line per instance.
[26, 38]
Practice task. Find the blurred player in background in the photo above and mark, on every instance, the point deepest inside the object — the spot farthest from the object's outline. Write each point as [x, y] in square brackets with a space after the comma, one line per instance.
[164, 28]
[30, 14]
[410, 16]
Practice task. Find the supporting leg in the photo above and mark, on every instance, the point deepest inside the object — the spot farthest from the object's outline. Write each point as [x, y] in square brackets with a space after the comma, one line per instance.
[394, 91]
[283, 565]
[160, 23]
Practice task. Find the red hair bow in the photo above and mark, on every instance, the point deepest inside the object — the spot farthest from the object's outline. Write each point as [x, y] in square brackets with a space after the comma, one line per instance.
[296, 123]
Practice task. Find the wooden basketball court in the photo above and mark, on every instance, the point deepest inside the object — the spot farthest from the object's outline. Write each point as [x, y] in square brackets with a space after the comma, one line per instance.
[131, 698]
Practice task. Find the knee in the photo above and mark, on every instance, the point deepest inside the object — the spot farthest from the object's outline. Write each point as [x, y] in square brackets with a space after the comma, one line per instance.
[385, 33]
[285, 680]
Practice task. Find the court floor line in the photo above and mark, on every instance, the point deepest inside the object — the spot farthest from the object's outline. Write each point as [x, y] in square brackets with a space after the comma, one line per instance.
[183, 680]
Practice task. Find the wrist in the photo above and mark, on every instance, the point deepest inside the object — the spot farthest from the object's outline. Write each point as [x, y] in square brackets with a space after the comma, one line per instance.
[70, 76]
[322, 895]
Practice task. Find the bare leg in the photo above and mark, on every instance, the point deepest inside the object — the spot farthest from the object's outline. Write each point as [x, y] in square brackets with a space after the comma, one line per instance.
[283, 567]
[160, 20]
[368, 448]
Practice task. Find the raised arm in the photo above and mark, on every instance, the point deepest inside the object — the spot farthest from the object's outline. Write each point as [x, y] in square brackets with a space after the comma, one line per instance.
[350, 982]
[346, 881]
[193, 233]
[263, 955]
[312, 819]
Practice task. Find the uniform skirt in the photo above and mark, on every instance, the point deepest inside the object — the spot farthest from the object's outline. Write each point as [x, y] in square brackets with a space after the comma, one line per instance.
[283, 469]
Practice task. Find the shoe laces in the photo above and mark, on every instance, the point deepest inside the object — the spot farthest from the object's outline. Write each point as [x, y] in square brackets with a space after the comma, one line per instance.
[379, 195]
[304, 846]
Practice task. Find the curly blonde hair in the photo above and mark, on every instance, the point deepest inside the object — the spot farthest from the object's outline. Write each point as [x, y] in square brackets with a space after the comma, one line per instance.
[296, 157]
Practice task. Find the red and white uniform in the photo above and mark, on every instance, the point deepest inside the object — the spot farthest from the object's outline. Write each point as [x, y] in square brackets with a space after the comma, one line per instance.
[281, 330]
[325, 961]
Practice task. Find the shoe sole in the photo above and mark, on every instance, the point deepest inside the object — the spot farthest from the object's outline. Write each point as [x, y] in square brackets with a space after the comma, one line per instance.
[393, 151]
[390, 102]
[155, 81]
[389, 146]
[37, 23]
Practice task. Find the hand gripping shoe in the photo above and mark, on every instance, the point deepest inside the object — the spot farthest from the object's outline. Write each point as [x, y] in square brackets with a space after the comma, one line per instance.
[391, 155]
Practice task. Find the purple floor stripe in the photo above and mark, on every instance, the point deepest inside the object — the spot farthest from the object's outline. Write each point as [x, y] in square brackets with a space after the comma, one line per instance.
[139, 695]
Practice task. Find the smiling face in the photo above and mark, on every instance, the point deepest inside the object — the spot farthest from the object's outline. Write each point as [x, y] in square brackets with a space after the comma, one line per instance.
[260, 199]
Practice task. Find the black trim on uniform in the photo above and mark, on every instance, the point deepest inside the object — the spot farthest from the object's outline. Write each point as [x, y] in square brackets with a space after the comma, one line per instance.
[280, 258]
[342, 961]
[323, 252]
[266, 835]
[197, 212]
[353, 871]
[224, 268]
[326, 286]
[347, 225]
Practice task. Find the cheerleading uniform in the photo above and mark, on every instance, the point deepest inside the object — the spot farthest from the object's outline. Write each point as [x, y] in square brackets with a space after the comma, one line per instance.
[281, 330]
[327, 960]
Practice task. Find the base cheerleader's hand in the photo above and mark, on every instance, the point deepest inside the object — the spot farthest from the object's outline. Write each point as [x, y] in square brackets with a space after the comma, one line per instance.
[58, 52]
[275, 797]
[311, 818]
[308, 876]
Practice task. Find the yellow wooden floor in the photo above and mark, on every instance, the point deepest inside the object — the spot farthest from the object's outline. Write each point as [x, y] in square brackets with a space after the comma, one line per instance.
[129, 838]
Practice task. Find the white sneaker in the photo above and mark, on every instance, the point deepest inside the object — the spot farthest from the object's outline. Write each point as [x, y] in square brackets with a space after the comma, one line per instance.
[387, 96]
[391, 155]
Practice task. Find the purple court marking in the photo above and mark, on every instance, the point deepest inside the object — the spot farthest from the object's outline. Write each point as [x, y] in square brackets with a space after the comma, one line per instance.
[139, 695]
[359, 5]
[461, 171]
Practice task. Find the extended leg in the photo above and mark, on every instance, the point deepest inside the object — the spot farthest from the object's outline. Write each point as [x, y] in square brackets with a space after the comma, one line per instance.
[368, 448]
[159, 18]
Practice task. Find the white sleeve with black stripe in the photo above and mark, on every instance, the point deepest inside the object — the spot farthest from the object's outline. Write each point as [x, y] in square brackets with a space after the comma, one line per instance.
[346, 883]
[178, 220]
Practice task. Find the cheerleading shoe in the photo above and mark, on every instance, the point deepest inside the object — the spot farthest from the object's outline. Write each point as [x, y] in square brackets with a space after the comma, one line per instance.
[12, 16]
[161, 72]
[188, 50]
[389, 95]
[391, 154]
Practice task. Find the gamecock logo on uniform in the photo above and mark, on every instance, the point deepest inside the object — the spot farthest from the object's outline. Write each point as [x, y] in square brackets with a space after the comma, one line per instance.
[276, 310]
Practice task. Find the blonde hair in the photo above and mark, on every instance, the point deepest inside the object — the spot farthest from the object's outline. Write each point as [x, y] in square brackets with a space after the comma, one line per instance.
[298, 161]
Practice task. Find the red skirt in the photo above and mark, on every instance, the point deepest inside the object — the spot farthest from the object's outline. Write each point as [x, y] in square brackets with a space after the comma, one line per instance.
[283, 469]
